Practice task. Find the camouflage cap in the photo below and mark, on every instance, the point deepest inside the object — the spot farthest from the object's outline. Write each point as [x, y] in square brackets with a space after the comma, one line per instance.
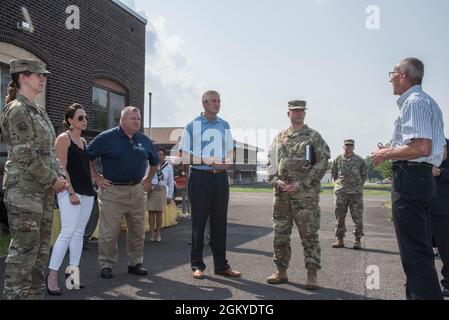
[297, 104]
[22, 65]
[349, 142]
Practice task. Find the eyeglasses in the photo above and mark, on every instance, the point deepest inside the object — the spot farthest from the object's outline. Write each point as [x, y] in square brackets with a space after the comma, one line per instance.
[81, 118]
[391, 74]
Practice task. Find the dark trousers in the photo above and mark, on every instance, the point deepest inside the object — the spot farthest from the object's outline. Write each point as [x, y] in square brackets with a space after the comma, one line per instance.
[209, 197]
[440, 231]
[413, 194]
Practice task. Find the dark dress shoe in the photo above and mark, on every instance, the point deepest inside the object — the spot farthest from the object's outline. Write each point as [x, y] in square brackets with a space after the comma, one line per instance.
[106, 273]
[51, 292]
[138, 270]
[445, 292]
[229, 273]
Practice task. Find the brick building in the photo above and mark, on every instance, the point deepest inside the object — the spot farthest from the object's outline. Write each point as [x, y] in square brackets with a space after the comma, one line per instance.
[101, 64]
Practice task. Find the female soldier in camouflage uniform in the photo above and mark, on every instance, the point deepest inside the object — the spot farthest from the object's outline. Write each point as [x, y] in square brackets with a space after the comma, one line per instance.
[32, 175]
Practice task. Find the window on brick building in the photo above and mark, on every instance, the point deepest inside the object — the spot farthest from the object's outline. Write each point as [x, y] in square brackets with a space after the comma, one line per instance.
[5, 78]
[108, 101]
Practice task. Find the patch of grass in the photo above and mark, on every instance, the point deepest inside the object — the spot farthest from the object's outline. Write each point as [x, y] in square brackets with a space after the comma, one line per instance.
[5, 239]
[252, 190]
[371, 186]
[325, 191]
[365, 192]
[376, 193]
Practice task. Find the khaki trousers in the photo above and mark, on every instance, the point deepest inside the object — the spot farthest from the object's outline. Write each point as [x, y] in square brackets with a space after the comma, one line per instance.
[116, 203]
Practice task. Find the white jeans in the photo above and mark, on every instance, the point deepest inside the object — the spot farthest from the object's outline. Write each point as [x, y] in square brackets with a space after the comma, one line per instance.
[73, 223]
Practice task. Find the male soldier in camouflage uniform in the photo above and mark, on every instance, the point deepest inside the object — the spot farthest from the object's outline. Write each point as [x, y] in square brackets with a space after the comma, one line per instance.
[349, 172]
[298, 161]
[32, 174]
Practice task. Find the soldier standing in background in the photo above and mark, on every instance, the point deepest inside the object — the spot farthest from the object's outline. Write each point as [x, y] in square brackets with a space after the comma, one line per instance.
[298, 161]
[32, 175]
[349, 172]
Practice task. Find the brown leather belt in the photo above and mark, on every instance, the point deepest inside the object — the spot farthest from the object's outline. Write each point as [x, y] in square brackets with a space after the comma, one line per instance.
[216, 171]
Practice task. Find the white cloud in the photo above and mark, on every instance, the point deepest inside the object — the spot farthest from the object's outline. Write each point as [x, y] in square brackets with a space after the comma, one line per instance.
[169, 77]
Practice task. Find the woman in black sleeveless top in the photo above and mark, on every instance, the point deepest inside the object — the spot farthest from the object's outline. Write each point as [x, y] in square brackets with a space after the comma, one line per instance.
[76, 203]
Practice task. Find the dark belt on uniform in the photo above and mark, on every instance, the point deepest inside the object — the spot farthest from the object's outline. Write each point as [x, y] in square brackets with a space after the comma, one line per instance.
[411, 164]
[216, 171]
[126, 184]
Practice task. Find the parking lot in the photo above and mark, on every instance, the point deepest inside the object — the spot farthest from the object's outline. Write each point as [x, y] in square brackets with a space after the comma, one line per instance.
[344, 275]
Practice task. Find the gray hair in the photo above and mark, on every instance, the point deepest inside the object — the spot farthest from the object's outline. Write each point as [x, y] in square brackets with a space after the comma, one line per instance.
[209, 93]
[414, 69]
[128, 110]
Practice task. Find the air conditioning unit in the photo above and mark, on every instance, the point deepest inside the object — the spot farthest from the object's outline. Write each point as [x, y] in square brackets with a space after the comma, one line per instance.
[24, 26]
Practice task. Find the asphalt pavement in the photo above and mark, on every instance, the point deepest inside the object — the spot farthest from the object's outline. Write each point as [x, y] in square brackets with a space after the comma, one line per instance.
[372, 273]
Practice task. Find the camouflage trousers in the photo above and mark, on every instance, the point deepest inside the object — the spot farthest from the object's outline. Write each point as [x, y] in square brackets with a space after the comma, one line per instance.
[304, 211]
[354, 202]
[30, 244]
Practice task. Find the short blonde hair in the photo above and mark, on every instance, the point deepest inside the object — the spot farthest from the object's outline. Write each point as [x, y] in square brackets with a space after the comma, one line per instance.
[209, 93]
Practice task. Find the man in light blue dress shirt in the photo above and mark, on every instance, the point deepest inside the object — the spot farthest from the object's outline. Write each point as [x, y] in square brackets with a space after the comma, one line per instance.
[417, 146]
[208, 146]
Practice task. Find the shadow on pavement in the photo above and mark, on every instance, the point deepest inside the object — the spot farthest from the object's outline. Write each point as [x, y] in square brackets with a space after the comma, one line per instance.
[162, 257]
[393, 253]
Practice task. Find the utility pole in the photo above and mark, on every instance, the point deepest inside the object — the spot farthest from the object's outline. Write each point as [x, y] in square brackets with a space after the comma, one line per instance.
[150, 111]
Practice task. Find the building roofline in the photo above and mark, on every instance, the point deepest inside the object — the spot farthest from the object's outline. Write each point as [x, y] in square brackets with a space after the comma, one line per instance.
[237, 143]
[130, 11]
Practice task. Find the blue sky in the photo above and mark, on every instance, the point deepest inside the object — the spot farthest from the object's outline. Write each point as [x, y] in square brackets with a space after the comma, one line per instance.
[261, 54]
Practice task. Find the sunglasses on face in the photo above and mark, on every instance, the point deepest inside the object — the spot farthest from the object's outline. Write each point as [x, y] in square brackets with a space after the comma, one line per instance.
[81, 118]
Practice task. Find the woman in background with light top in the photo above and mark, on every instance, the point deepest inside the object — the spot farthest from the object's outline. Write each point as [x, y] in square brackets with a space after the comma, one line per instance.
[161, 194]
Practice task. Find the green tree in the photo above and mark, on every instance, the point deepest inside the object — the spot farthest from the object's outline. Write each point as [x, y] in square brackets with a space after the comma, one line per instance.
[385, 170]
[373, 174]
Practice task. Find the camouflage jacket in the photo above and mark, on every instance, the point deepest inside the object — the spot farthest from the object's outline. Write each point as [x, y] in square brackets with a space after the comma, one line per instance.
[27, 131]
[349, 174]
[289, 162]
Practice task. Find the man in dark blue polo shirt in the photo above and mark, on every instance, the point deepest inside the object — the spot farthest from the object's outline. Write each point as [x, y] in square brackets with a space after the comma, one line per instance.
[207, 143]
[124, 153]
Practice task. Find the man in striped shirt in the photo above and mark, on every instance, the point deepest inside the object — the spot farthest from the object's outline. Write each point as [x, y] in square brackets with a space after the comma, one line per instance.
[418, 145]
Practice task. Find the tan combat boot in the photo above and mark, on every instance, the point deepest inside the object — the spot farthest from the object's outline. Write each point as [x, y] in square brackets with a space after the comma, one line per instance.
[278, 277]
[339, 244]
[358, 244]
[312, 280]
